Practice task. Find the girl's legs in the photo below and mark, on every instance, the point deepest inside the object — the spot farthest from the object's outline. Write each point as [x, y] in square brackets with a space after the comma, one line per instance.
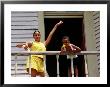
[42, 74]
[33, 72]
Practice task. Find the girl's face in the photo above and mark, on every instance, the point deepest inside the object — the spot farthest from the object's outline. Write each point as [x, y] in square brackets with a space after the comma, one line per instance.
[37, 36]
[65, 41]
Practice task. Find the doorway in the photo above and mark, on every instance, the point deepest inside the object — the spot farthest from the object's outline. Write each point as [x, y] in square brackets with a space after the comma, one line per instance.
[72, 27]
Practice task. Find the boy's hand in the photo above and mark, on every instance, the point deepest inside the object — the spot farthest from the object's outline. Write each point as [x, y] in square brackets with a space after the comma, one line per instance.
[62, 52]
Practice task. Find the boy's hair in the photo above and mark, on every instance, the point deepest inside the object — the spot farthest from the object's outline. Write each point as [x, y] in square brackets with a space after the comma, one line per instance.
[65, 37]
[35, 32]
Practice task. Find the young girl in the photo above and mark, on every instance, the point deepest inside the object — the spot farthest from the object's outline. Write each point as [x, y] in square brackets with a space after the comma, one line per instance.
[70, 48]
[37, 61]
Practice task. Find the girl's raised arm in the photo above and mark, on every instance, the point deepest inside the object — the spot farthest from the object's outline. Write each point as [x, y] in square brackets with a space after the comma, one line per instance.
[51, 33]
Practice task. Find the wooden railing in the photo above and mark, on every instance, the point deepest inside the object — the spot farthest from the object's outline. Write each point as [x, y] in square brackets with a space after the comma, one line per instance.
[57, 53]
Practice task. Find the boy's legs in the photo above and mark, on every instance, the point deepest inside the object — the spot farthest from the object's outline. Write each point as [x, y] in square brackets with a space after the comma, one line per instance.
[69, 68]
[74, 66]
[63, 66]
[76, 71]
[75, 62]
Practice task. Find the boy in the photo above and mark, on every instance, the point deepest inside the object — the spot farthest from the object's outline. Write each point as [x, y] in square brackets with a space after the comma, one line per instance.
[70, 48]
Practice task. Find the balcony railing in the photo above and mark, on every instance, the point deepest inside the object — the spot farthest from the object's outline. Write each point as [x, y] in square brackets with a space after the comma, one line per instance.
[57, 53]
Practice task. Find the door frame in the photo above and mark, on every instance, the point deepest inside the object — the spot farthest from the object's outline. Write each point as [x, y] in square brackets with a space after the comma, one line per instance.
[62, 14]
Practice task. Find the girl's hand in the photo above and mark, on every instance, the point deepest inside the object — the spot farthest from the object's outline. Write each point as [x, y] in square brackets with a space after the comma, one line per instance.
[19, 45]
[61, 22]
[25, 47]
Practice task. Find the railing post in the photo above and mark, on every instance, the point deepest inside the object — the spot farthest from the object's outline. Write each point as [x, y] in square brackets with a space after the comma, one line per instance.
[45, 70]
[57, 56]
[15, 65]
[30, 65]
[72, 67]
[86, 68]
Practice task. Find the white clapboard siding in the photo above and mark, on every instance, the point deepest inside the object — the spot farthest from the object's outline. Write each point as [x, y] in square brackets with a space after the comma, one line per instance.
[22, 32]
[24, 14]
[19, 62]
[18, 68]
[97, 31]
[18, 65]
[24, 19]
[19, 72]
[22, 40]
[19, 58]
[24, 27]
[96, 21]
[15, 49]
[23, 24]
[96, 28]
[20, 36]
[21, 75]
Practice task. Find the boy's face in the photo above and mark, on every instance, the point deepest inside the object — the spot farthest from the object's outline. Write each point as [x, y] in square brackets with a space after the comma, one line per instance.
[37, 36]
[65, 41]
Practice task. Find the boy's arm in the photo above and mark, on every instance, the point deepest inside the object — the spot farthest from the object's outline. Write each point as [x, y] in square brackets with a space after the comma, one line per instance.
[77, 49]
[51, 33]
[63, 50]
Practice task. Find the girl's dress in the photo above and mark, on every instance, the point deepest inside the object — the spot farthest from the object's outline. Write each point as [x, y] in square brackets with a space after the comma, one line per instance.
[37, 61]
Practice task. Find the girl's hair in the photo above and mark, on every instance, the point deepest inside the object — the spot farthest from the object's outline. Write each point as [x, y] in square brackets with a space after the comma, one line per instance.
[35, 32]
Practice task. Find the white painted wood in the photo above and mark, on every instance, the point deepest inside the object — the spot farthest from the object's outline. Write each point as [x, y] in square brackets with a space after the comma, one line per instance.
[22, 40]
[97, 31]
[19, 65]
[22, 32]
[19, 58]
[22, 36]
[21, 75]
[90, 28]
[96, 17]
[19, 72]
[23, 18]
[19, 53]
[18, 62]
[16, 49]
[25, 23]
[57, 57]
[72, 67]
[24, 27]
[26, 14]
[97, 20]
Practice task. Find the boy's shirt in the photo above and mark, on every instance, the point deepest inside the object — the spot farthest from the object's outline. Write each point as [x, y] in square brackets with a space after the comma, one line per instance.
[69, 48]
